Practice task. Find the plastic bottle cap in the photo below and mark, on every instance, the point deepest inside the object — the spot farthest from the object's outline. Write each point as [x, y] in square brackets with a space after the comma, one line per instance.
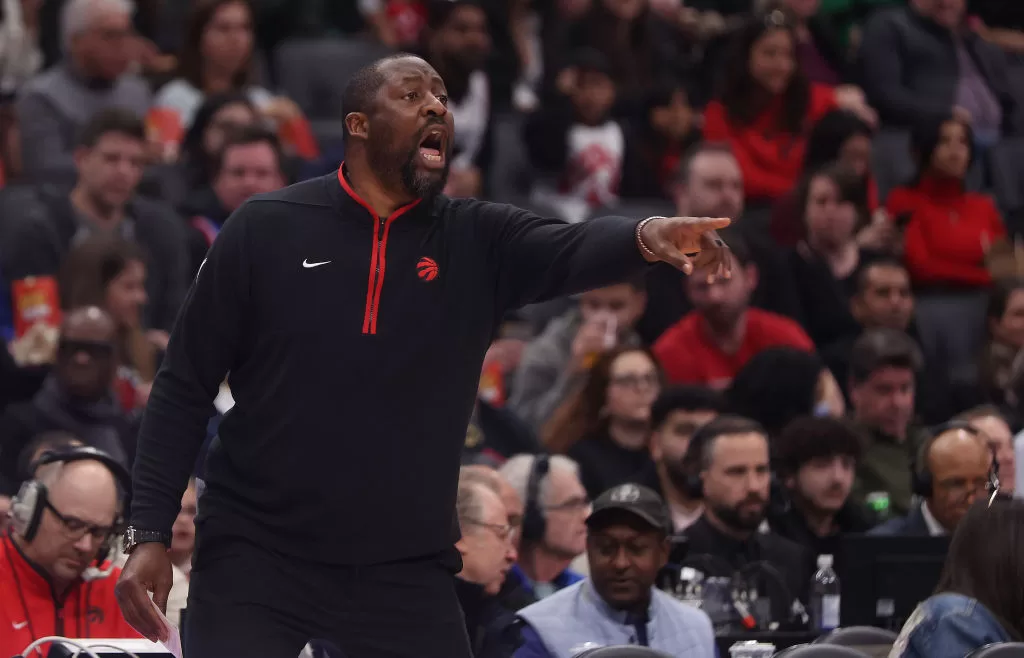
[825, 561]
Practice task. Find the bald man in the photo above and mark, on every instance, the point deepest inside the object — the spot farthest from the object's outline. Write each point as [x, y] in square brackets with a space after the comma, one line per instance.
[957, 463]
[51, 562]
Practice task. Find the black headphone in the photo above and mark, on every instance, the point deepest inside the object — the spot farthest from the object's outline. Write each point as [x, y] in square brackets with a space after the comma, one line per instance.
[921, 477]
[27, 507]
[693, 460]
[534, 524]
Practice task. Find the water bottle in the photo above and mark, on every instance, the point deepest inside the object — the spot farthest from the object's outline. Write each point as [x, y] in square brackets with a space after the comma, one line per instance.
[825, 596]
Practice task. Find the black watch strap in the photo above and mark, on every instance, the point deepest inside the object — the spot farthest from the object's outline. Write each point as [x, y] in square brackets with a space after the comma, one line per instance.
[134, 536]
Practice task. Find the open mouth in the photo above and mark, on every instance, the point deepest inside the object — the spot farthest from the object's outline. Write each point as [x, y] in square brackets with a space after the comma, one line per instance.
[432, 147]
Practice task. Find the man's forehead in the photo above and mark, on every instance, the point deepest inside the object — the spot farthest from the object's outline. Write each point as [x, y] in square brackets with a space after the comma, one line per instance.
[734, 448]
[403, 69]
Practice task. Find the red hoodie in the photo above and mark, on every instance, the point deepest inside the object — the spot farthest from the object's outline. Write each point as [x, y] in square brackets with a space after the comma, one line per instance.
[946, 233]
[771, 161]
[29, 611]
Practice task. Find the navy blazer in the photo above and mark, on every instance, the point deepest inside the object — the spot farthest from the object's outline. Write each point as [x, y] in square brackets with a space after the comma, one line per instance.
[911, 525]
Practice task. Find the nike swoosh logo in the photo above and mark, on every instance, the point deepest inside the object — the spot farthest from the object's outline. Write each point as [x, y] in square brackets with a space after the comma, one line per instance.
[20, 626]
[306, 264]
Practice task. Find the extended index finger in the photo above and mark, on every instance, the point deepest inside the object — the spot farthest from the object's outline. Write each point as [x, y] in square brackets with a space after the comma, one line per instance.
[713, 223]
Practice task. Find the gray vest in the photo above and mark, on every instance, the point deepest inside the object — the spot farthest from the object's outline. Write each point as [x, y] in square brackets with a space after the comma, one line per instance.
[576, 619]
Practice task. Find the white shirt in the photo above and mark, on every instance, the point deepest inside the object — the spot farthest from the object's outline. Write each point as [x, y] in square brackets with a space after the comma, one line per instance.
[935, 528]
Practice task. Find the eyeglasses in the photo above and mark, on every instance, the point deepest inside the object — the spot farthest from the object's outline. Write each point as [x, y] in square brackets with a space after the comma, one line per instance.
[75, 528]
[503, 531]
[635, 382]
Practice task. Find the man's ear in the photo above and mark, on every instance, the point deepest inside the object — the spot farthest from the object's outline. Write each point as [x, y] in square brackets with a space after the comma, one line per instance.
[358, 124]
[79, 155]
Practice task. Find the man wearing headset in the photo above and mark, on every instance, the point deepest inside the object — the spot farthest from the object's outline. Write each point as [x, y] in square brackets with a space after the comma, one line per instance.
[554, 530]
[729, 464]
[953, 468]
[55, 576]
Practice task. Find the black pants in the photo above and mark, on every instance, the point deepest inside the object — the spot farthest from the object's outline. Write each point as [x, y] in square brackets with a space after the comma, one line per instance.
[245, 601]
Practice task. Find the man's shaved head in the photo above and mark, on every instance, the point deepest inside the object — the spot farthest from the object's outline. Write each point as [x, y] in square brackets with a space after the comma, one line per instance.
[360, 94]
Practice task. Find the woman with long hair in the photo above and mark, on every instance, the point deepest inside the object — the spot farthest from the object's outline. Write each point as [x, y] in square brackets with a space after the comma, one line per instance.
[767, 106]
[1004, 324]
[980, 596]
[844, 138]
[217, 58]
[109, 272]
[825, 264]
[605, 427]
[948, 229]
[946, 240]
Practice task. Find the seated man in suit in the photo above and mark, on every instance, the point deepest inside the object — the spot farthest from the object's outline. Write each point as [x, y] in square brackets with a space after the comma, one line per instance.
[953, 468]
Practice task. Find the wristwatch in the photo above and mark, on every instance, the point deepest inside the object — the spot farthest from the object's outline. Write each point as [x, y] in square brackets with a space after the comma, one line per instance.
[134, 536]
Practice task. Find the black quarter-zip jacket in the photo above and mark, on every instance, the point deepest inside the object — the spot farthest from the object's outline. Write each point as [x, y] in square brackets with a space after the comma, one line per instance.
[354, 345]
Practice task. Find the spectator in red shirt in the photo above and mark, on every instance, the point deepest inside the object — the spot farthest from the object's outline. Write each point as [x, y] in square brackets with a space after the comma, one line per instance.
[948, 232]
[948, 229]
[767, 107]
[710, 344]
[55, 577]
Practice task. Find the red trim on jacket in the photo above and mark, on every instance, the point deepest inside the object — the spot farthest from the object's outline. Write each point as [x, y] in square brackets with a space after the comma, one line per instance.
[378, 261]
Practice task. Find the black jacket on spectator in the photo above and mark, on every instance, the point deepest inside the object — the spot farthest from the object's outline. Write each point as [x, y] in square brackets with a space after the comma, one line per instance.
[35, 239]
[201, 203]
[355, 345]
[910, 69]
[492, 630]
[824, 299]
[101, 424]
[792, 525]
[605, 464]
[790, 559]
[911, 525]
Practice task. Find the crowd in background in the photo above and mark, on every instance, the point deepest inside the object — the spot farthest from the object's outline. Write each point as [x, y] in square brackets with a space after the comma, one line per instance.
[869, 153]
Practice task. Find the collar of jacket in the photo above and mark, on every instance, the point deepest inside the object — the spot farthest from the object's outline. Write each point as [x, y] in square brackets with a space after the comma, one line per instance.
[349, 202]
[624, 617]
[24, 574]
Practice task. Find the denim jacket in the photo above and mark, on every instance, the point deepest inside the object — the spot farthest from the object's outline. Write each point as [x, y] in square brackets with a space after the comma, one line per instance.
[948, 626]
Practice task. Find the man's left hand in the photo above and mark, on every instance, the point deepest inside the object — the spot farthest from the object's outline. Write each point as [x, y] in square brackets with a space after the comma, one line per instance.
[688, 243]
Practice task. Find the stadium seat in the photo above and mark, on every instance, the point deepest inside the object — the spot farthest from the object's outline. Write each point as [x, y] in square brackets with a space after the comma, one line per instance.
[858, 636]
[825, 651]
[313, 72]
[622, 652]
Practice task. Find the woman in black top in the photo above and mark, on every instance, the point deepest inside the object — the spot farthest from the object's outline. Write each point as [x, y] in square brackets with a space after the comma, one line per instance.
[605, 427]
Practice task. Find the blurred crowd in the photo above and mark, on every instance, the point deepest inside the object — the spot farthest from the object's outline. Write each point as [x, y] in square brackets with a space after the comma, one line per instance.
[869, 153]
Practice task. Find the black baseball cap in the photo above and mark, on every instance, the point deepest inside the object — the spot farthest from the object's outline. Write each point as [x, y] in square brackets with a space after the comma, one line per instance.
[634, 499]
